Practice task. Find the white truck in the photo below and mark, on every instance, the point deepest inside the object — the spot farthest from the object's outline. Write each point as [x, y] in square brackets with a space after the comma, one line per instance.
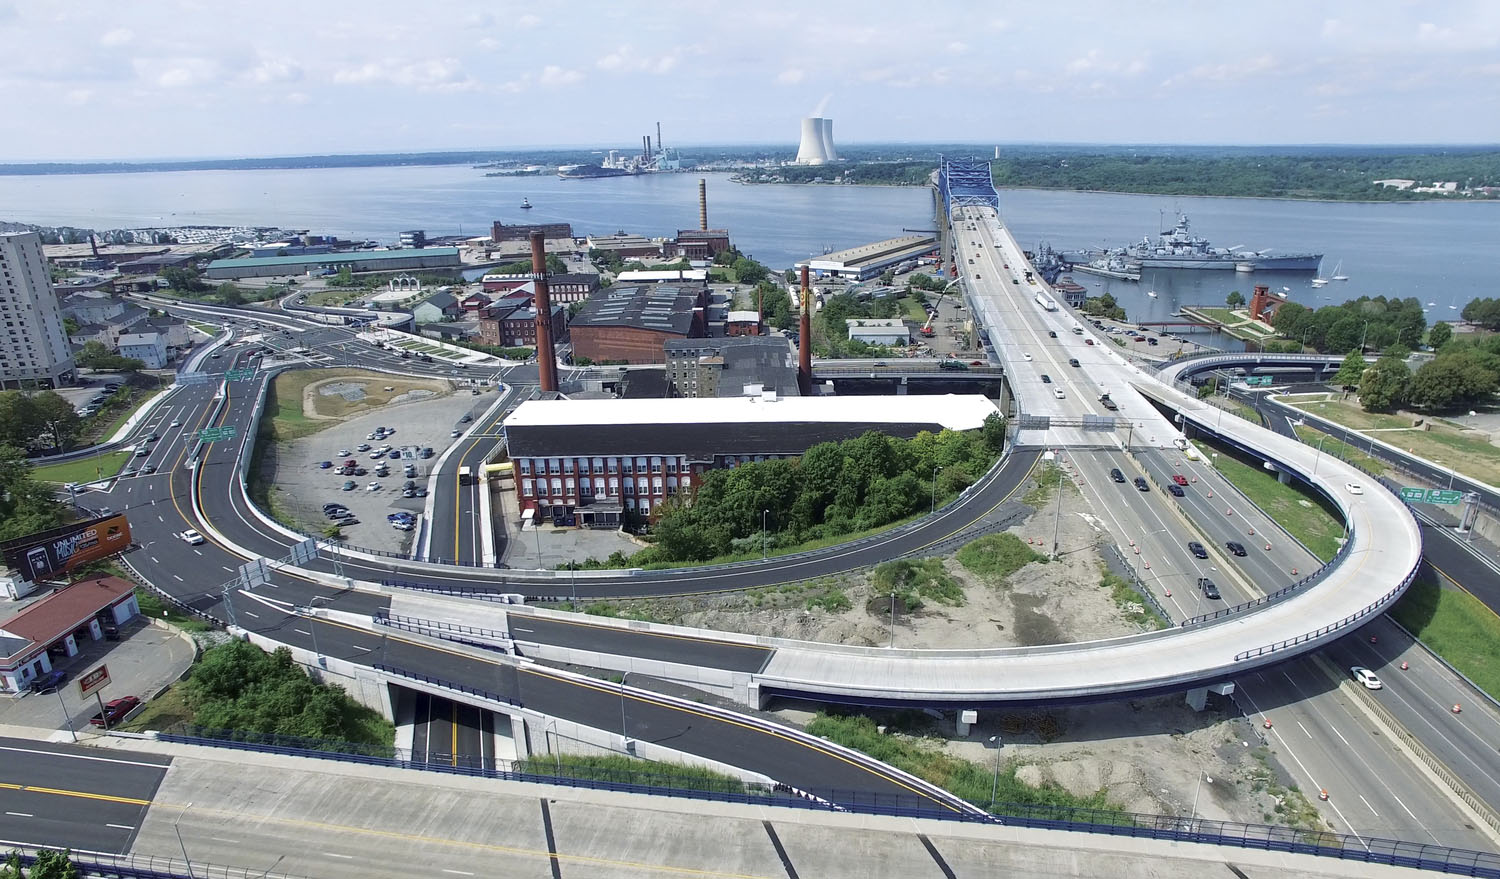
[1046, 302]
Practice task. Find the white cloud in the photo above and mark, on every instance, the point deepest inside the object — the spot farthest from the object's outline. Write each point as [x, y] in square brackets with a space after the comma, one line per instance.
[528, 21]
[177, 73]
[958, 47]
[440, 74]
[790, 77]
[78, 97]
[626, 60]
[553, 76]
[275, 70]
[117, 37]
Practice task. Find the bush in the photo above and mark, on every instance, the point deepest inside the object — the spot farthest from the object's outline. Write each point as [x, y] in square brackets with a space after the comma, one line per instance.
[915, 579]
[996, 556]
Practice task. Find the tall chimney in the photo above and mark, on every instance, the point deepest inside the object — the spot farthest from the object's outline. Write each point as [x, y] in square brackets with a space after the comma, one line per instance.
[546, 360]
[804, 341]
[658, 137]
[703, 203]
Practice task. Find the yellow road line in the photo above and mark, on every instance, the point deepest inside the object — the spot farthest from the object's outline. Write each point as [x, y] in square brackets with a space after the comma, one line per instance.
[80, 794]
[1446, 576]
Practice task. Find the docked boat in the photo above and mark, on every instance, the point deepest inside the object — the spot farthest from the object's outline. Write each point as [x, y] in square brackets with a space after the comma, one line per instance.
[1338, 274]
[1179, 248]
[1110, 264]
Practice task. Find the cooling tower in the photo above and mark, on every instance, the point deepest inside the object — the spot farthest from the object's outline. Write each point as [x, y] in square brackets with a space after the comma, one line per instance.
[829, 153]
[812, 150]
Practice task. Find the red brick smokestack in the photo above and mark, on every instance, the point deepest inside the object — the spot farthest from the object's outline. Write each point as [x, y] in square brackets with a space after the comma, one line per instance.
[545, 358]
[804, 341]
[703, 203]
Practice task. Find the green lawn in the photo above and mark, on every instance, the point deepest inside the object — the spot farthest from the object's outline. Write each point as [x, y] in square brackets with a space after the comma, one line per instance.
[1466, 452]
[85, 470]
[723, 275]
[1301, 512]
[1457, 626]
[210, 329]
[914, 310]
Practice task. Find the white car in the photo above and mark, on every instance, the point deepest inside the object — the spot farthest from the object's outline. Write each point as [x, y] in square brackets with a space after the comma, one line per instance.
[191, 537]
[1354, 488]
[1027, 355]
[343, 453]
[1057, 392]
[1366, 677]
[374, 486]
[175, 424]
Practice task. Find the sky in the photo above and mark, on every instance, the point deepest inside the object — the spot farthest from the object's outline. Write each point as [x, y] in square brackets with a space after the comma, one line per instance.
[132, 79]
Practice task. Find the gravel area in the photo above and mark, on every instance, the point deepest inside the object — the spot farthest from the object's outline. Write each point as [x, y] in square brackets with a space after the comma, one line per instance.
[302, 487]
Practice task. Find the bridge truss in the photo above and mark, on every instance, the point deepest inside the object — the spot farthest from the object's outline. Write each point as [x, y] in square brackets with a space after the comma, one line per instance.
[966, 183]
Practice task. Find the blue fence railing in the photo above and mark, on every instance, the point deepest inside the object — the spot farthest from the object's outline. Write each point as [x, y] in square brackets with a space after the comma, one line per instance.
[461, 634]
[141, 866]
[1436, 858]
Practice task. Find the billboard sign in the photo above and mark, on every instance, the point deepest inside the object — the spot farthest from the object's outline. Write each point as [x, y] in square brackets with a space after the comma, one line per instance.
[92, 680]
[56, 552]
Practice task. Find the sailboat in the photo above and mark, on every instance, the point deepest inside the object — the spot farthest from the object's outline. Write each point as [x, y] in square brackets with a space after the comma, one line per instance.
[1152, 292]
[1337, 276]
[1319, 282]
[525, 204]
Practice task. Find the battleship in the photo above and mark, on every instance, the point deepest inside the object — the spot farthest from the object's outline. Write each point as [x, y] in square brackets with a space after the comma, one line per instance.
[1179, 248]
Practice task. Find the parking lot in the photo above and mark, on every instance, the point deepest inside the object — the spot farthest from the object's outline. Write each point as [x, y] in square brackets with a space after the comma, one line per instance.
[302, 486]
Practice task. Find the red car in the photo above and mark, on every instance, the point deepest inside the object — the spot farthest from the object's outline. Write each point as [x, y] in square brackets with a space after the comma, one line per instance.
[1179, 479]
[976, 362]
[115, 711]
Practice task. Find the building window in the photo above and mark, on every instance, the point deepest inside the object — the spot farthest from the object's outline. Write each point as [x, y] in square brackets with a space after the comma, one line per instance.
[526, 487]
[598, 465]
[614, 488]
[556, 487]
[630, 488]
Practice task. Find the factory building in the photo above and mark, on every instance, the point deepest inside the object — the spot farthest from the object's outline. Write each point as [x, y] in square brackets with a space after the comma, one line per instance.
[585, 462]
[730, 367]
[573, 287]
[699, 243]
[629, 324]
[878, 331]
[522, 231]
[625, 245]
[355, 261]
[870, 260]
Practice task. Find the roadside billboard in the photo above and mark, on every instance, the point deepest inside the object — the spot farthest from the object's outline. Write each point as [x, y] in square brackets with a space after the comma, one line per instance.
[56, 552]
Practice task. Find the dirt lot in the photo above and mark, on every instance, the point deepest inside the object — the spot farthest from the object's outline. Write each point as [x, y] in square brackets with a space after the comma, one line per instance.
[335, 410]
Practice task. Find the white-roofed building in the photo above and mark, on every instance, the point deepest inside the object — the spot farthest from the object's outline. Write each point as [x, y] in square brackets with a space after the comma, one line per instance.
[584, 461]
[878, 331]
[149, 348]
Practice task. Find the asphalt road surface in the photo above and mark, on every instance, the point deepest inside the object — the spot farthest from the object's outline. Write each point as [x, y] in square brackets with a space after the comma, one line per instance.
[65, 796]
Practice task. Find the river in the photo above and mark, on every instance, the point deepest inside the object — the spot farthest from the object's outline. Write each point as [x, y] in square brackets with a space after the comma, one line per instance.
[1438, 252]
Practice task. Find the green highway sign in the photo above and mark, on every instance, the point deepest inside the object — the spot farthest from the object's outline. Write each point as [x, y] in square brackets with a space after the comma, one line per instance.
[213, 434]
[236, 375]
[1430, 495]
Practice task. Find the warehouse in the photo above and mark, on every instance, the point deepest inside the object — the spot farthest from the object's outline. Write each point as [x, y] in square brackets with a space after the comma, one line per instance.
[870, 260]
[356, 261]
[630, 324]
[584, 461]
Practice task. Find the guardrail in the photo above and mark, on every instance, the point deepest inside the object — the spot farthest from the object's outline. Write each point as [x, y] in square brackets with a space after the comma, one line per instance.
[439, 629]
[143, 866]
[1285, 591]
[1374, 607]
[1434, 858]
[1139, 585]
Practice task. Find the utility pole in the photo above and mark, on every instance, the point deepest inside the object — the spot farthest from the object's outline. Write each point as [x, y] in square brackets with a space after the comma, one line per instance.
[1057, 515]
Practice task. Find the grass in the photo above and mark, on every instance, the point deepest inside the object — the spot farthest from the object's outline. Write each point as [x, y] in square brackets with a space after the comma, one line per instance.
[1302, 512]
[723, 275]
[124, 414]
[915, 580]
[914, 309]
[1457, 626]
[1046, 483]
[284, 403]
[1243, 410]
[154, 607]
[1340, 449]
[996, 556]
[618, 768]
[1466, 452]
[85, 470]
[775, 551]
[1132, 606]
[925, 759]
[210, 329]
[163, 712]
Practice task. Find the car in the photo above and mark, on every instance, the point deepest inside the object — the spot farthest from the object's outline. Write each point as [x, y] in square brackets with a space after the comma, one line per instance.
[1116, 475]
[141, 453]
[336, 514]
[1365, 677]
[175, 424]
[1235, 547]
[148, 470]
[153, 437]
[404, 526]
[1089, 342]
[363, 447]
[427, 452]
[190, 537]
[332, 505]
[350, 485]
[128, 472]
[466, 419]
[877, 363]
[1179, 479]
[1176, 490]
[1073, 361]
[1026, 356]
[1058, 393]
[346, 519]
[358, 471]
[115, 711]
[1140, 484]
[1207, 587]
[374, 486]
[377, 454]
[419, 492]
[386, 447]
[370, 436]
[1052, 334]
[1354, 488]
[1046, 379]
[400, 514]
[976, 362]
[324, 465]
[343, 453]
[455, 432]
[215, 356]
[1197, 549]
[48, 681]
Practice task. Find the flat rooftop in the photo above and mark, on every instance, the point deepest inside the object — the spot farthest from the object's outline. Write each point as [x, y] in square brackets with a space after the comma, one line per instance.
[667, 308]
[950, 411]
[906, 245]
[318, 259]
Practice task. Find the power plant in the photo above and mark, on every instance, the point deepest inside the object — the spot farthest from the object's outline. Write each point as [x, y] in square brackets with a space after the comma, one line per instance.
[817, 142]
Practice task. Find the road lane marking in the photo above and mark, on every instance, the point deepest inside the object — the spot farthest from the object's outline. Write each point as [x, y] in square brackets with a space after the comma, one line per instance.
[1368, 806]
[345, 857]
[459, 872]
[222, 839]
[300, 632]
[161, 766]
[82, 795]
[1304, 729]
[121, 826]
[250, 614]
[21, 814]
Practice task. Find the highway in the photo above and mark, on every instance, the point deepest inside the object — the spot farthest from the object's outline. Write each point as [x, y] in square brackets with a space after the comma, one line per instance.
[68, 796]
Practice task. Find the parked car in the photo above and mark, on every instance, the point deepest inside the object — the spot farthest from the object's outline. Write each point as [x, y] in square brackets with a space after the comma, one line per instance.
[350, 485]
[324, 465]
[343, 453]
[1052, 334]
[467, 417]
[115, 711]
[1073, 361]
[455, 432]
[1207, 587]
[48, 681]
[427, 452]
[1197, 549]
[1058, 393]
[374, 486]
[363, 447]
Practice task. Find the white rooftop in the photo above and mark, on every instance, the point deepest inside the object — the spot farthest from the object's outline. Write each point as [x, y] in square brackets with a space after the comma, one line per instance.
[662, 275]
[140, 339]
[874, 323]
[952, 411]
[744, 316]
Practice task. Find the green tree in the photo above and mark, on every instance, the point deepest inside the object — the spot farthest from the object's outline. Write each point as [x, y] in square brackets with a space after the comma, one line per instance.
[1439, 335]
[70, 325]
[1384, 385]
[229, 294]
[26, 506]
[344, 278]
[1235, 299]
[57, 419]
[94, 355]
[184, 280]
[1460, 377]
[749, 271]
[1350, 371]
[50, 864]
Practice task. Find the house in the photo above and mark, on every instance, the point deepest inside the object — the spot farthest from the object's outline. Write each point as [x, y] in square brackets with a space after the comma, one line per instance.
[473, 302]
[149, 348]
[438, 307]
[174, 333]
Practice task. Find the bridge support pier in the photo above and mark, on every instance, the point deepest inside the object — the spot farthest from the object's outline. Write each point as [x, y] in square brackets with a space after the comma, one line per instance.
[966, 720]
[1283, 477]
[1197, 698]
[901, 387]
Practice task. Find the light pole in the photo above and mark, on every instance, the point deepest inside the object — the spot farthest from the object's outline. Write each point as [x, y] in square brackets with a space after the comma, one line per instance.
[763, 515]
[1365, 334]
[66, 722]
[1202, 776]
[1319, 455]
[624, 738]
[180, 844]
[1057, 514]
[557, 737]
[312, 623]
[995, 742]
[893, 619]
[934, 490]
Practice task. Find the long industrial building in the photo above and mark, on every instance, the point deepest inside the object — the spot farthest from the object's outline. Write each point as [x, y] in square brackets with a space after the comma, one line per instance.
[584, 461]
[869, 260]
[356, 261]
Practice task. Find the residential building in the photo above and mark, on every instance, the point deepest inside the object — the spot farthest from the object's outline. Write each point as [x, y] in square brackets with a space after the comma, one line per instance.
[355, 261]
[585, 462]
[472, 303]
[876, 331]
[726, 367]
[522, 231]
[174, 333]
[102, 333]
[629, 323]
[515, 326]
[438, 307]
[92, 308]
[34, 346]
[149, 348]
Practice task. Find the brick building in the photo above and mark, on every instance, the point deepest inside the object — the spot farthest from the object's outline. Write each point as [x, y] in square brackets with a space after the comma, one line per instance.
[573, 287]
[522, 231]
[725, 367]
[699, 243]
[585, 462]
[630, 324]
[1264, 304]
[514, 326]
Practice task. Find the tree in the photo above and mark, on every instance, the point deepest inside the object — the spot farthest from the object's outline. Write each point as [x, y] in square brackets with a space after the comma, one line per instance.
[1345, 335]
[749, 271]
[94, 355]
[229, 294]
[58, 420]
[1439, 335]
[1384, 385]
[1460, 377]
[26, 506]
[1235, 299]
[50, 864]
[70, 325]
[184, 280]
[1350, 371]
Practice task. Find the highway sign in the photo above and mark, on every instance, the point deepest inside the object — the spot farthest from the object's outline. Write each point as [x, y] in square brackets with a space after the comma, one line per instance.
[214, 434]
[236, 375]
[193, 378]
[1414, 495]
[93, 680]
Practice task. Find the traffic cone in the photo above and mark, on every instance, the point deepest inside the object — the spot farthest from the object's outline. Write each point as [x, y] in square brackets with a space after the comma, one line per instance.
[1323, 794]
[1268, 723]
[1268, 547]
[1169, 593]
[1294, 572]
[1457, 708]
[1136, 550]
[1228, 511]
[1148, 566]
[1403, 665]
[1210, 494]
[1372, 639]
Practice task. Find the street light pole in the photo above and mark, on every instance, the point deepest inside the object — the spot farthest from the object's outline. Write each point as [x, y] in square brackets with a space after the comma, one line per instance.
[934, 490]
[182, 845]
[893, 619]
[1201, 777]
[995, 782]
[1319, 456]
[624, 738]
[763, 515]
[1057, 514]
[312, 624]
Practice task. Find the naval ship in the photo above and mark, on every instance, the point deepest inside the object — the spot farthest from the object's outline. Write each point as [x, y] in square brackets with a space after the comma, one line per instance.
[1179, 248]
